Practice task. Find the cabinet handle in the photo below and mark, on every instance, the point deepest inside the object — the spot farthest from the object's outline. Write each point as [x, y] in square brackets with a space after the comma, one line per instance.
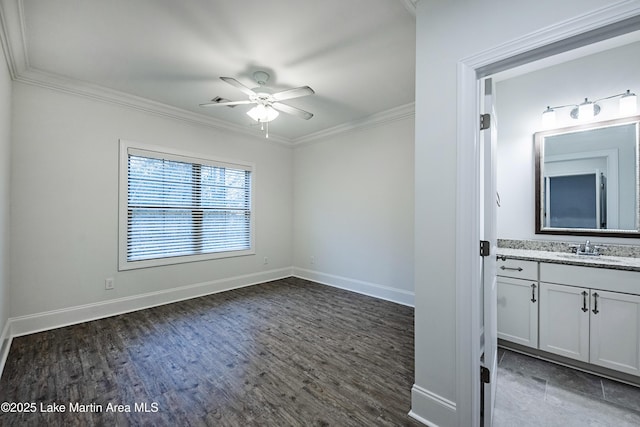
[533, 292]
[502, 267]
[595, 303]
[584, 301]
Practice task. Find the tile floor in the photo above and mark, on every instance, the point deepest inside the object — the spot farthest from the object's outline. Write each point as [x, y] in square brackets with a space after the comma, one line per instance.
[532, 392]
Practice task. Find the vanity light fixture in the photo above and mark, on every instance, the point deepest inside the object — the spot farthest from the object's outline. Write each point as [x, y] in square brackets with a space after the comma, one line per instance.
[628, 103]
[548, 117]
[589, 109]
[585, 111]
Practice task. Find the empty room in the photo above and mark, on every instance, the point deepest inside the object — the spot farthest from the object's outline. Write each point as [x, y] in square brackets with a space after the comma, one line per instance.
[276, 252]
[282, 213]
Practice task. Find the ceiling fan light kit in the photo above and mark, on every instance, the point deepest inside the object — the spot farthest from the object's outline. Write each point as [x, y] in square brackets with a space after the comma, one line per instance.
[268, 105]
[263, 113]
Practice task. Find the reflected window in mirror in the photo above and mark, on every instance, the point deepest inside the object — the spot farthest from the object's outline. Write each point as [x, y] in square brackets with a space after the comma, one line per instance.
[587, 179]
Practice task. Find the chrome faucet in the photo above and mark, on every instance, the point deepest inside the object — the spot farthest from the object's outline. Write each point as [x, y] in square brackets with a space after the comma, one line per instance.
[586, 249]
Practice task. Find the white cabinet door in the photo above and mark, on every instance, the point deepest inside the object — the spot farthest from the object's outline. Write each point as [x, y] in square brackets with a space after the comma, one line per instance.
[564, 321]
[615, 331]
[518, 311]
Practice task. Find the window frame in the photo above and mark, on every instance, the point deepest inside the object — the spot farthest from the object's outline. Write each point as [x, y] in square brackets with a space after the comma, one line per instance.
[160, 152]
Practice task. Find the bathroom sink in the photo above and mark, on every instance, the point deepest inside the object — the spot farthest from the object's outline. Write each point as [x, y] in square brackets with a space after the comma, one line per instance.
[586, 257]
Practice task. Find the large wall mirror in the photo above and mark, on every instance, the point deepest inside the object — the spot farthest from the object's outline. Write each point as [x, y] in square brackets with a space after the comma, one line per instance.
[588, 181]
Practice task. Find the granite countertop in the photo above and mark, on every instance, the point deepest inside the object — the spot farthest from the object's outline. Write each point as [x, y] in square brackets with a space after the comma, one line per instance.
[601, 261]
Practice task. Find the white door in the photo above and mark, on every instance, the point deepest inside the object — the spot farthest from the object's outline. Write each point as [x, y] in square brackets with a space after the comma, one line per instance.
[564, 320]
[615, 331]
[488, 225]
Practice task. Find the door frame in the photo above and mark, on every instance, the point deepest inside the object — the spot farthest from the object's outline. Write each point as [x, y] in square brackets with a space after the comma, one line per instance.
[601, 24]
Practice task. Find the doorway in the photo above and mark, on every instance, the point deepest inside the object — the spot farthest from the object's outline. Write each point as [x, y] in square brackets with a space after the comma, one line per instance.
[582, 34]
[521, 99]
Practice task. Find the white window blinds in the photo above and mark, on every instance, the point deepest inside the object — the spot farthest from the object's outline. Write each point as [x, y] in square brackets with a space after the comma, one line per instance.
[185, 207]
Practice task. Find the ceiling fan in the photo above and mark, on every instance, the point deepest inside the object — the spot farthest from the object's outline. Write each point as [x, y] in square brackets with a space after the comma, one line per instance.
[267, 105]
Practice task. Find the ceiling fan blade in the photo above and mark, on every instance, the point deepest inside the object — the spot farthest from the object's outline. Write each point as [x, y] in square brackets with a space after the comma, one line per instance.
[229, 104]
[292, 110]
[293, 93]
[234, 82]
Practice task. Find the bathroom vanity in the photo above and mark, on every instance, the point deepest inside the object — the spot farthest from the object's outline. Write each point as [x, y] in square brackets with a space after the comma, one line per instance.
[581, 308]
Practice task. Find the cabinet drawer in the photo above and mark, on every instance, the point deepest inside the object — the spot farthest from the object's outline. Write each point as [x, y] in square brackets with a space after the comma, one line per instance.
[518, 269]
[590, 277]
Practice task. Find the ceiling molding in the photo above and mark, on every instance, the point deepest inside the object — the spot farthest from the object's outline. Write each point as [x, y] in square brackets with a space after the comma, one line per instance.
[13, 37]
[100, 93]
[14, 43]
[391, 115]
[410, 5]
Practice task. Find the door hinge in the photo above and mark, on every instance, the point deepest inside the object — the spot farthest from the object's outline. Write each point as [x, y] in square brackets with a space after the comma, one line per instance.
[484, 248]
[485, 375]
[485, 121]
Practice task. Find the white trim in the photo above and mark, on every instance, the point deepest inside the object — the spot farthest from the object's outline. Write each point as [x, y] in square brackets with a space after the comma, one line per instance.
[410, 5]
[387, 293]
[421, 419]
[384, 117]
[38, 322]
[5, 344]
[441, 411]
[546, 37]
[467, 248]
[467, 234]
[128, 147]
[13, 40]
[62, 84]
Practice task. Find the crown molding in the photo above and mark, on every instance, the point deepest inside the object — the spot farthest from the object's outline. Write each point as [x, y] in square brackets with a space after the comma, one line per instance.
[13, 40]
[388, 116]
[12, 36]
[87, 90]
[410, 5]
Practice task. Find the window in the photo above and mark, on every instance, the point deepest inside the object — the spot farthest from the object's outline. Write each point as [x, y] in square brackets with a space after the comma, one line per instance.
[179, 208]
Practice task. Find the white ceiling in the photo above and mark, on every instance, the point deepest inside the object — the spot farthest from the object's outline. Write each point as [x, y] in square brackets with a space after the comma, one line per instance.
[358, 55]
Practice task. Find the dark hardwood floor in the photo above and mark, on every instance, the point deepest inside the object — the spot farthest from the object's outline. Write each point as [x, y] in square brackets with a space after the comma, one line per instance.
[284, 353]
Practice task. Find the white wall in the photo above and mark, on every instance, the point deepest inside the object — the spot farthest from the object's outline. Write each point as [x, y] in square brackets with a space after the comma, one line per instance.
[5, 168]
[353, 206]
[64, 201]
[519, 103]
[353, 210]
[447, 32]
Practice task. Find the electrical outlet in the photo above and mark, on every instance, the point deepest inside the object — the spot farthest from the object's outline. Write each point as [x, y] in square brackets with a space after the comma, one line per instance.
[109, 283]
[266, 260]
[312, 260]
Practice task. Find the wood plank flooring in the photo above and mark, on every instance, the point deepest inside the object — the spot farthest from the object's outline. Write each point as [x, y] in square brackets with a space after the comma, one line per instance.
[284, 353]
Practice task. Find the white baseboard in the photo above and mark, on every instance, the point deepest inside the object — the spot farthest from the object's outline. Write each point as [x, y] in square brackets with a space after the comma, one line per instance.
[431, 409]
[5, 344]
[399, 296]
[38, 322]
[420, 419]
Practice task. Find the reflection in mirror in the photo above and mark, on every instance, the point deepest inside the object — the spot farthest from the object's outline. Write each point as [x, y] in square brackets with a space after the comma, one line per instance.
[587, 179]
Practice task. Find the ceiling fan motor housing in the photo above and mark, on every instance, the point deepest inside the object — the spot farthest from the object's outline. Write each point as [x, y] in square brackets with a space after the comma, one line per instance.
[261, 77]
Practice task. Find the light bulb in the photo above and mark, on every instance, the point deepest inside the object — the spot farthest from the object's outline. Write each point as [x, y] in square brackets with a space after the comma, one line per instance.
[548, 118]
[586, 110]
[628, 104]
